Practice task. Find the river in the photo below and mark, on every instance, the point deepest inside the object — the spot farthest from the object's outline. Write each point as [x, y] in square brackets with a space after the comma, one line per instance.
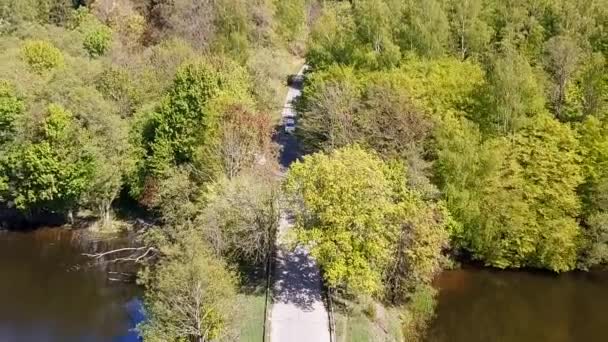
[482, 305]
[50, 293]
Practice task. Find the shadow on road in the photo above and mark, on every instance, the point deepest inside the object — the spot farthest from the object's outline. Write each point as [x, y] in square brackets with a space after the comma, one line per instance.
[298, 281]
[290, 148]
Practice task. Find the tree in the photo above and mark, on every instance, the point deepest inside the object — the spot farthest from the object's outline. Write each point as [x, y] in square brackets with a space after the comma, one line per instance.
[11, 108]
[594, 151]
[112, 160]
[241, 216]
[97, 40]
[423, 237]
[290, 18]
[332, 39]
[328, 110]
[232, 27]
[471, 33]
[190, 296]
[562, 61]
[375, 46]
[344, 200]
[515, 197]
[595, 240]
[593, 81]
[245, 138]
[547, 151]
[41, 56]
[518, 24]
[52, 172]
[361, 222]
[192, 21]
[593, 138]
[426, 30]
[186, 123]
[15, 12]
[512, 95]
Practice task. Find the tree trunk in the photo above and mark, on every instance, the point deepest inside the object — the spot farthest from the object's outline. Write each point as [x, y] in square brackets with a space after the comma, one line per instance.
[105, 214]
[71, 216]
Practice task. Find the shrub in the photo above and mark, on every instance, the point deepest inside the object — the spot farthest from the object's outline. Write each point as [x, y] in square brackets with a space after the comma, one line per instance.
[97, 40]
[41, 55]
[420, 311]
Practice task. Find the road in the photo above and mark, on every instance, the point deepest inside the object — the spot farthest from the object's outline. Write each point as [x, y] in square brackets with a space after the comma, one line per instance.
[298, 311]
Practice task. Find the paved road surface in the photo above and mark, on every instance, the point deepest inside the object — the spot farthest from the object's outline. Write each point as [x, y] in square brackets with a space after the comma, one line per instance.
[298, 310]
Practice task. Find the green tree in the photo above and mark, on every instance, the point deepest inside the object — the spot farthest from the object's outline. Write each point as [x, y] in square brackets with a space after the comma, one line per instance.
[519, 23]
[52, 172]
[542, 148]
[97, 40]
[563, 57]
[594, 151]
[593, 82]
[515, 198]
[241, 215]
[189, 296]
[332, 39]
[375, 46]
[41, 56]
[471, 33]
[290, 16]
[426, 28]
[187, 120]
[232, 28]
[512, 95]
[11, 108]
[112, 159]
[418, 252]
[593, 138]
[15, 12]
[351, 209]
[346, 199]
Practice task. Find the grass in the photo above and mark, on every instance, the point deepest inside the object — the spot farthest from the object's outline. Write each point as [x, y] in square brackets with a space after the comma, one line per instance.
[366, 320]
[251, 303]
[251, 323]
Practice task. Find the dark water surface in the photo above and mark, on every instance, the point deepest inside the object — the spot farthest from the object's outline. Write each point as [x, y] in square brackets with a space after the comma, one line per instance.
[481, 305]
[49, 294]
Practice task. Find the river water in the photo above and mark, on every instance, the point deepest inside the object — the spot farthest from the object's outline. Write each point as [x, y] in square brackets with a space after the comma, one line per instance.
[50, 293]
[482, 305]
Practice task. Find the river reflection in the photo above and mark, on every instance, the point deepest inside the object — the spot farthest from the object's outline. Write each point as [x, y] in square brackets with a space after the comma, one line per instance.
[507, 306]
[46, 294]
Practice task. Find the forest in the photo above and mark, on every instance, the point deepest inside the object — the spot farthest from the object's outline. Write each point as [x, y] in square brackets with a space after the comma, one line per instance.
[434, 133]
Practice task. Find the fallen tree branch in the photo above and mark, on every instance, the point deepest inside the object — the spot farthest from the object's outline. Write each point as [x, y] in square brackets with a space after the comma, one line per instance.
[114, 251]
[137, 255]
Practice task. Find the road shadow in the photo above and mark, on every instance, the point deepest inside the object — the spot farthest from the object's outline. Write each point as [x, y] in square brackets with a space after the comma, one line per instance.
[290, 148]
[297, 279]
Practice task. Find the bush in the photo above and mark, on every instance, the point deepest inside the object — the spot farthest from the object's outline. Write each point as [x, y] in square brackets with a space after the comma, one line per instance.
[41, 55]
[419, 313]
[10, 108]
[97, 40]
[190, 297]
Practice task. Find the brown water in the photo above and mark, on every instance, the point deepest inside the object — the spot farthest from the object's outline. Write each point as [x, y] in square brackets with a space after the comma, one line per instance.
[480, 305]
[48, 292]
